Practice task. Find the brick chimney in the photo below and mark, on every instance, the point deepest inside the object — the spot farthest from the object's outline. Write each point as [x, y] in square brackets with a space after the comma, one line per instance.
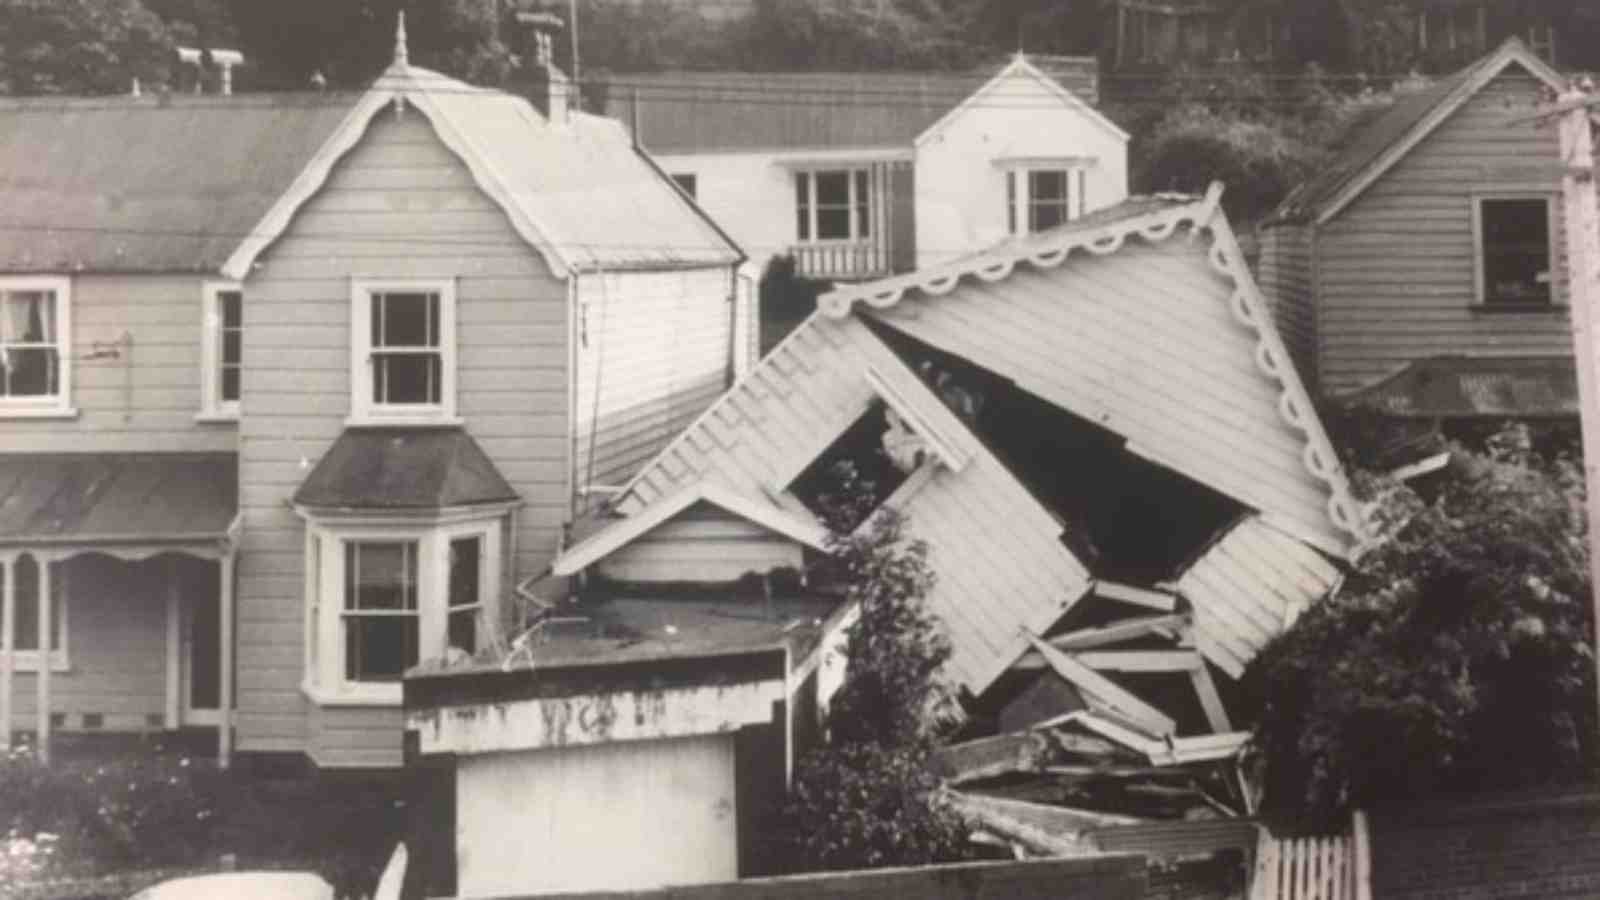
[546, 86]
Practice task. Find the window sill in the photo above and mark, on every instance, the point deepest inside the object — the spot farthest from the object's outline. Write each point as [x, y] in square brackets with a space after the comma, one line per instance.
[402, 421]
[44, 412]
[1520, 309]
[370, 695]
[217, 418]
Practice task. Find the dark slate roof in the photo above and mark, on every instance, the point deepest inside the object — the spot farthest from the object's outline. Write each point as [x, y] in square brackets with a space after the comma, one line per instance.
[403, 468]
[1483, 386]
[148, 184]
[687, 111]
[88, 498]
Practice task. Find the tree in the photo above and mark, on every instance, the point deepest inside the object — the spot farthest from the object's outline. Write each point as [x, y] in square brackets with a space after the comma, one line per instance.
[869, 797]
[1458, 656]
[81, 46]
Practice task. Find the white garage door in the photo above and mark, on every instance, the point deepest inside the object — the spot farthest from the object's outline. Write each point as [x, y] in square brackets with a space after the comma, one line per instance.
[608, 816]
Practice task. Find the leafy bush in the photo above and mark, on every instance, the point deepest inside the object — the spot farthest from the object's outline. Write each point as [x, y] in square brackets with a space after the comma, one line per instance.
[1458, 656]
[868, 798]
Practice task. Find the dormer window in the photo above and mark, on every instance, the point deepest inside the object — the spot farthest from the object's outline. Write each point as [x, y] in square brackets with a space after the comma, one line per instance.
[1039, 199]
[35, 343]
[403, 352]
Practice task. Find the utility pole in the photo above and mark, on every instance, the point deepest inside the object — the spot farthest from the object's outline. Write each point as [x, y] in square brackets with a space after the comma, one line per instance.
[1582, 219]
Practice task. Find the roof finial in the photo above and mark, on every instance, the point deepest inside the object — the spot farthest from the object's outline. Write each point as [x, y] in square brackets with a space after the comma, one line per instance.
[402, 56]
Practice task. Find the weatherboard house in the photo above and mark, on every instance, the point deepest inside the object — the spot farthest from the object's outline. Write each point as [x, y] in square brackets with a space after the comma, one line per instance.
[1099, 435]
[297, 390]
[861, 175]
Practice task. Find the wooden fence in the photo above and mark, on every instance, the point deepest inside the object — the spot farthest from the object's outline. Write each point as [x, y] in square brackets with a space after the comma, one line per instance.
[1314, 867]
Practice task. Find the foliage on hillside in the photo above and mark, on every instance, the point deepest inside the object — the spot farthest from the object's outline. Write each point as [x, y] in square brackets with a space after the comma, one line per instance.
[868, 797]
[1458, 656]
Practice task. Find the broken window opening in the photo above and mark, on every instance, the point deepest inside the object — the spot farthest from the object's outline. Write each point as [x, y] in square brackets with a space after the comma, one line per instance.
[851, 479]
[1126, 518]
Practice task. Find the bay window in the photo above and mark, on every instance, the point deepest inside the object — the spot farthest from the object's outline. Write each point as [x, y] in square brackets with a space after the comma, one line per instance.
[403, 351]
[383, 598]
[35, 346]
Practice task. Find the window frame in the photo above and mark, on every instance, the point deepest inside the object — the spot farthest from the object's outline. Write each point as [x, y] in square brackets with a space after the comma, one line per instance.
[1020, 200]
[861, 193]
[60, 656]
[213, 408]
[363, 409]
[326, 541]
[1480, 294]
[60, 404]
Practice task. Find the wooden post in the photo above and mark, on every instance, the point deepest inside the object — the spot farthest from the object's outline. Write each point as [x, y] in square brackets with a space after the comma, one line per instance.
[225, 677]
[1361, 855]
[174, 647]
[1583, 292]
[8, 643]
[42, 679]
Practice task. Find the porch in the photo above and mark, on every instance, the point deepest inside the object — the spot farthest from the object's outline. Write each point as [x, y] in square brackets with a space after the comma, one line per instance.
[116, 595]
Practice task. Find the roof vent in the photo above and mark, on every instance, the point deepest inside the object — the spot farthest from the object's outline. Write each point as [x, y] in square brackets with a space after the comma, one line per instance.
[223, 59]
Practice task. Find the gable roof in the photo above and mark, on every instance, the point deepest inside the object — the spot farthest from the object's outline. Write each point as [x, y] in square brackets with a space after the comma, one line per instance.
[995, 92]
[388, 468]
[1375, 143]
[580, 192]
[702, 112]
[148, 184]
[620, 533]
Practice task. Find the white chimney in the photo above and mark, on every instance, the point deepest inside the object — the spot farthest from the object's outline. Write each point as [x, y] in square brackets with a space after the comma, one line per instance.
[552, 89]
[223, 59]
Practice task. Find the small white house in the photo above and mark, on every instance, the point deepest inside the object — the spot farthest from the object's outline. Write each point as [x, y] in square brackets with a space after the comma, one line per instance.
[863, 175]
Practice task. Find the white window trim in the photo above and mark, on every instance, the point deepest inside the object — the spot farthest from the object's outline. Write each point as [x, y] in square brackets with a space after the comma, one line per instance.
[325, 681]
[855, 237]
[59, 406]
[60, 658]
[212, 407]
[1480, 295]
[1019, 194]
[362, 410]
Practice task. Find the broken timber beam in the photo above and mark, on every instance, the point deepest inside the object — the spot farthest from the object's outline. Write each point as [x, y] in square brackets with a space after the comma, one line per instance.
[1097, 687]
[1141, 660]
[991, 756]
[1090, 638]
[1164, 601]
[1210, 700]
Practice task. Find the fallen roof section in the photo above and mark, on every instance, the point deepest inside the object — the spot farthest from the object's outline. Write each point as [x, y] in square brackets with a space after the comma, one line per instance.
[1164, 341]
[1465, 387]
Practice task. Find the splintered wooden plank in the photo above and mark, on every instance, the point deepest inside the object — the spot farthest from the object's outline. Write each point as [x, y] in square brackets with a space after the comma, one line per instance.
[992, 756]
[1164, 601]
[1141, 660]
[1089, 638]
[1097, 687]
[1210, 700]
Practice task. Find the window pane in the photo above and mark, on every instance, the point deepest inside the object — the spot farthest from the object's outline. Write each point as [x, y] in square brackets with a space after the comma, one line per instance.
[379, 648]
[230, 384]
[232, 311]
[232, 347]
[833, 188]
[30, 358]
[31, 372]
[465, 558]
[863, 208]
[1516, 251]
[1047, 185]
[463, 627]
[407, 378]
[1046, 215]
[833, 224]
[26, 634]
[406, 320]
[381, 576]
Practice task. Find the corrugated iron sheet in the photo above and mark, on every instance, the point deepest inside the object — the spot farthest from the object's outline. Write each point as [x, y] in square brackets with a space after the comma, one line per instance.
[404, 468]
[1177, 840]
[1002, 569]
[1142, 342]
[152, 184]
[87, 498]
[1248, 587]
[1474, 386]
[686, 111]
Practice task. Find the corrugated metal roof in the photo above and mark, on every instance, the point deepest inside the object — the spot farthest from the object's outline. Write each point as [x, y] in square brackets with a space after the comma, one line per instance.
[1159, 339]
[151, 184]
[1248, 587]
[1002, 569]
[403, 468]
[99, 498]
[1175, 840]
[1476, 386]
[687, 111]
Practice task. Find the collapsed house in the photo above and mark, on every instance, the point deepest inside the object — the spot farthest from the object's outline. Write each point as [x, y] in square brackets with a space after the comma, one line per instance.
[1122, 484]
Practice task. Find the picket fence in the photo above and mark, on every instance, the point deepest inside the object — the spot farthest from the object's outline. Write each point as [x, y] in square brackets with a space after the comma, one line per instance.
[1314, 867]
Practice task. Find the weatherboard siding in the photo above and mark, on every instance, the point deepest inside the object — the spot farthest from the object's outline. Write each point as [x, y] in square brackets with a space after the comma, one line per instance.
[653, 352]
[702, 544]
[146, 396]
[749, 195]
[1286, 279]
[1396, 276]
[399, 205]
[960, 185]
